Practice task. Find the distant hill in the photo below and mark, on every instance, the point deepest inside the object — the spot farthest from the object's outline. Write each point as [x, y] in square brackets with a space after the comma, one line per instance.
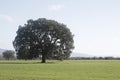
[75, 54]
[1, 51]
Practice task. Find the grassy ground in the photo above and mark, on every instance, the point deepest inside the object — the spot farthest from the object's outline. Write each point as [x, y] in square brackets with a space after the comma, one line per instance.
[56, 70]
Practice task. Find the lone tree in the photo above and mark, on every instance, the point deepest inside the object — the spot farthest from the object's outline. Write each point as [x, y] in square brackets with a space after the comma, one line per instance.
[8, 54]
[43, 38]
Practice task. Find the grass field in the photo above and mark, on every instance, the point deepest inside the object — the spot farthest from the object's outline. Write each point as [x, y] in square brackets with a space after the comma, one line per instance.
[57, 70]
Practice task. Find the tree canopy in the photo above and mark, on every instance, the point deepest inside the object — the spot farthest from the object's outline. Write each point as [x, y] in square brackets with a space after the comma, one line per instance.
[8, 54]
[43, 38]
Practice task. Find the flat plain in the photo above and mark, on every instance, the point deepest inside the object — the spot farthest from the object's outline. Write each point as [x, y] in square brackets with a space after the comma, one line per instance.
[60, 70]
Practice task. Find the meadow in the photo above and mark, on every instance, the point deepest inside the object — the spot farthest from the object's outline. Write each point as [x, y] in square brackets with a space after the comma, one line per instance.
[60, 70]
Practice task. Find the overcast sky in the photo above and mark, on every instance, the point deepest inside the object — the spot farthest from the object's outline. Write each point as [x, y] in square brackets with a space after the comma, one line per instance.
[95, 23]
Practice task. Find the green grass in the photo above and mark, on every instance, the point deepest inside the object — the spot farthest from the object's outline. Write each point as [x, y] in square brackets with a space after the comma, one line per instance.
[57, 70]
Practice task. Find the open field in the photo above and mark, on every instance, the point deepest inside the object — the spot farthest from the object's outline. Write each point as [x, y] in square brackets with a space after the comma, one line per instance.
[56, 70]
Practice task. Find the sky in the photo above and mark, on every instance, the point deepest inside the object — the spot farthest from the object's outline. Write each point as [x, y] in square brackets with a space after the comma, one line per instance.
[95, 23]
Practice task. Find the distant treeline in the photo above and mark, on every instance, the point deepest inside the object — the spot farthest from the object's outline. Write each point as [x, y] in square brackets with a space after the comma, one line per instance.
[94, 58]
[12, 58]
[75, 58]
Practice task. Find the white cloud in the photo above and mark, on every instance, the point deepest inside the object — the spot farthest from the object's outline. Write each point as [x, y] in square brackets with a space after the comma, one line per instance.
[115, 39]
[56, 7]
[7, 18]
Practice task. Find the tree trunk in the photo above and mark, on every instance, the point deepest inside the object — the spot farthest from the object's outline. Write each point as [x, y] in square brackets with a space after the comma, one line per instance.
[43, 58]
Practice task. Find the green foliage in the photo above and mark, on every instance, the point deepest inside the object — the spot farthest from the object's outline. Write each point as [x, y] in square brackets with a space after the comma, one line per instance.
[42, 37]
[67, 70]
[8, 54]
